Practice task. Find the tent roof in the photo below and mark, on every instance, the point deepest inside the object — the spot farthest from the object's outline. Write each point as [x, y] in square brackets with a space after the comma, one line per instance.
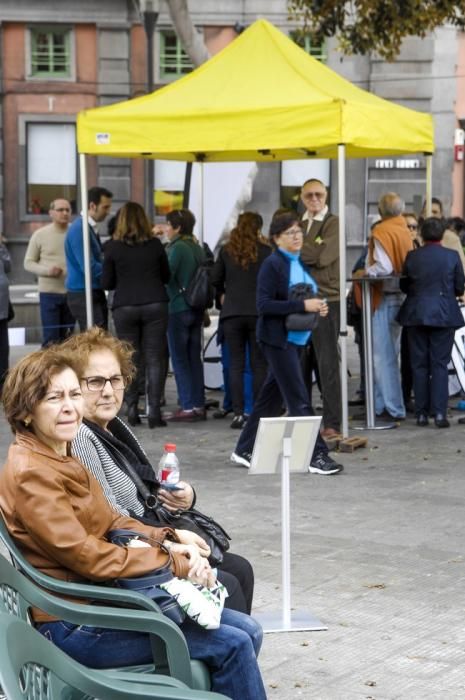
[261, 98]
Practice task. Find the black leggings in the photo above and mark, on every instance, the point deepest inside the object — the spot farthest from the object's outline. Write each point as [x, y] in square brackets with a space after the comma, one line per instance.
[236, 573]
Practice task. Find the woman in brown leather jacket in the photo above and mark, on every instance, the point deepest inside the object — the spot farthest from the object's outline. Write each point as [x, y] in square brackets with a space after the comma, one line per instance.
[57, 514]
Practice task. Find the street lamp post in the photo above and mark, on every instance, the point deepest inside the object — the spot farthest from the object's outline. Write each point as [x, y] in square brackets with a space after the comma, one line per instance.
[149, 19]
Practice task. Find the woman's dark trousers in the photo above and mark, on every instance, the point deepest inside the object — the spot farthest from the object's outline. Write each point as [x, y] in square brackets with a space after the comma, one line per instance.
[430, 351]
[145, 328]
[236, 573]
[284, 383]
[239, 332]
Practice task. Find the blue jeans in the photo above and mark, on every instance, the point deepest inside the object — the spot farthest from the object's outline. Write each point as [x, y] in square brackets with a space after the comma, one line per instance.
[185, 343]
[57, 320]
[230, 652]
[386, 348]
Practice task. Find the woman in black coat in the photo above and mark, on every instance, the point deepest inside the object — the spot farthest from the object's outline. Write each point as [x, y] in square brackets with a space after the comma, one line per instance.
[433, 278]
[136, 267]
[284, 383]
[235, 277]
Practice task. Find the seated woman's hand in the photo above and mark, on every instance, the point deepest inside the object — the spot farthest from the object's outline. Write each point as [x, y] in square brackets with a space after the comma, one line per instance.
[188, 537]
[205, 576]
[192, 552]
[177, 500]
[316, 306]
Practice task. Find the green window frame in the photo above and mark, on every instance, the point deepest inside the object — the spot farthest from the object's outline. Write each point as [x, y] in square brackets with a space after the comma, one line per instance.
[315, 49]
[50, 52]
[174, 62]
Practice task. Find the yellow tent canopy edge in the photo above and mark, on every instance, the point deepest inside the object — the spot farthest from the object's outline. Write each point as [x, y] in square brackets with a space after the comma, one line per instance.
[275, 103]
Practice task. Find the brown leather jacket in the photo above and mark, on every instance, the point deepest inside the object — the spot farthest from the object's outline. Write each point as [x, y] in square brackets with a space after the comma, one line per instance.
[58, 515]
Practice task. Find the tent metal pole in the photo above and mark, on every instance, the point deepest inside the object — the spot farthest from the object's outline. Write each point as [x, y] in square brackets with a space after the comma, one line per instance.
[429, 182]
[202, 204]
[341, 174]
[86, 240]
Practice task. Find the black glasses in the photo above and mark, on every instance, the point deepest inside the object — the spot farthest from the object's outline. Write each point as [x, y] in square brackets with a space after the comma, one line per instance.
[117, 381]
[63, 209]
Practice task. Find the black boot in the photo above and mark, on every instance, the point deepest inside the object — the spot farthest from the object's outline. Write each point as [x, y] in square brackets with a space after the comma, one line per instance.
[133, 415]
[155, 419]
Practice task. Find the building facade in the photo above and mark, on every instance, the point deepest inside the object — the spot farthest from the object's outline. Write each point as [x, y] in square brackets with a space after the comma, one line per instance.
[60, 58]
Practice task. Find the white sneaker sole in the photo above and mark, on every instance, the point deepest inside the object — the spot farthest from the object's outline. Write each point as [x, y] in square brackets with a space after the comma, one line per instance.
[237, 459]
[325, 472]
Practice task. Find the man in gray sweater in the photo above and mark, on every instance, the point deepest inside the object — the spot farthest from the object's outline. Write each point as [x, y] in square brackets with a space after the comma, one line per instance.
[45, 258]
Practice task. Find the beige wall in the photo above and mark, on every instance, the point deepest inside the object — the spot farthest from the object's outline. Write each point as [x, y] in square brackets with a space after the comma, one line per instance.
[458, 170]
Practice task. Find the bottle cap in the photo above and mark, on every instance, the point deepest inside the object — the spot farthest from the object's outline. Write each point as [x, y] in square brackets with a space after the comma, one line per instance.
[170, 447]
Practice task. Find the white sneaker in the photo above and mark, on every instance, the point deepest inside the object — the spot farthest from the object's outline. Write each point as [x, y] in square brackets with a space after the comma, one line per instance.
[243, 458]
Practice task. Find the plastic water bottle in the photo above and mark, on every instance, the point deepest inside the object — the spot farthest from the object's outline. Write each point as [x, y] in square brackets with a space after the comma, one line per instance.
[168, 467]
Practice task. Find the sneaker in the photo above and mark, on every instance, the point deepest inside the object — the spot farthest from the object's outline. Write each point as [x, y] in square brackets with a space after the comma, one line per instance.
[242, 458]
[322, 463]
[238, 422]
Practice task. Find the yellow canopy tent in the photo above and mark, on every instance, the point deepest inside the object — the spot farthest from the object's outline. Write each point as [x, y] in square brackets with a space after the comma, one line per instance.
[261, 98]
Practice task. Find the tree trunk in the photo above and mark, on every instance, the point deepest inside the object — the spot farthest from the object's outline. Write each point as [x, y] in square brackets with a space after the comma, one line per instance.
[191, 39]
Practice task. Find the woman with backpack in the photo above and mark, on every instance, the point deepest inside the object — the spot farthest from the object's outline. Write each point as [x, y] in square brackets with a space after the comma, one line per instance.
[185, 256]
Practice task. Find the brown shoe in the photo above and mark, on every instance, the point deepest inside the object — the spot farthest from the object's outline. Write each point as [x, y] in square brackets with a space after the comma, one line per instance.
[182, 416]
[328, 433]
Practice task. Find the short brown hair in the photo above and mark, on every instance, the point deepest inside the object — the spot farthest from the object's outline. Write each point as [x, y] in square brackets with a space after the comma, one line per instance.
[94, 339]
[28, 381]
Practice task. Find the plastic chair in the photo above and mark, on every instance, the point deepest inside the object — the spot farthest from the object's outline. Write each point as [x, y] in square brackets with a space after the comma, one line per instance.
[24, 587]
[33, 668]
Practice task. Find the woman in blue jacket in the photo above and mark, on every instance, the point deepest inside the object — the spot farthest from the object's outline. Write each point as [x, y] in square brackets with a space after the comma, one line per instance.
[433, 279]
[284, 383]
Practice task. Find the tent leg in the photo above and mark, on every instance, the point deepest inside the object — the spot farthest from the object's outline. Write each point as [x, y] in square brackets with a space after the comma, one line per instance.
[86, 241]
[202, 204]
[341, 155]
[429, 182]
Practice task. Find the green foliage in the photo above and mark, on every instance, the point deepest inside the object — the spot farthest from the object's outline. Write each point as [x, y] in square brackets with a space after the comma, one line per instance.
[375, 25]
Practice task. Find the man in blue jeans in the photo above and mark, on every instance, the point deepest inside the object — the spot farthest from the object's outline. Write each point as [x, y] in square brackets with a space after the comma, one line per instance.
[388, 246]
[45, 258]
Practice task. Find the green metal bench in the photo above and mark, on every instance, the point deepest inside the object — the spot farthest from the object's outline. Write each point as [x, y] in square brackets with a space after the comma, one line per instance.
[32, 668]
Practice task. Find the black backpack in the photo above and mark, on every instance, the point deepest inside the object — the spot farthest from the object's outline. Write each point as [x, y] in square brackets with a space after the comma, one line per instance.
[199, 293]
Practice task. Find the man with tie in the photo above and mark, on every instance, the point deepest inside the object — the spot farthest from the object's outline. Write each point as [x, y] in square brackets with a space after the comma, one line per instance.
[99, 200]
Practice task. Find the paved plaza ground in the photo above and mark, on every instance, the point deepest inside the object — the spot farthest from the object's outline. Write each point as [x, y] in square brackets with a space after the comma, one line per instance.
[377, 554]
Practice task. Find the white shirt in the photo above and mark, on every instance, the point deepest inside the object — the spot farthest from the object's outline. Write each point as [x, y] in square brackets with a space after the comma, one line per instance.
[318, 217]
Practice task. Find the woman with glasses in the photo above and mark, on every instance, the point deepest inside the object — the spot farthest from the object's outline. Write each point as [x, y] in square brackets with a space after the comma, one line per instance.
[413, 226]
[284, 383]
[105, 445]
[136, 267]
[234, 276]
[59, 518]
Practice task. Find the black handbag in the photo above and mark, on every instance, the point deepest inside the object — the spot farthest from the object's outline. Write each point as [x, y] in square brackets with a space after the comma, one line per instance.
[214, 535]
[304, 320]
[148, 584]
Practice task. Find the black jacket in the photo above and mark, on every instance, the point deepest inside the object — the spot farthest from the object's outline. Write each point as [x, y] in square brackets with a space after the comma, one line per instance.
[137, 273]
[434, 277]
[238, 285]
[273, 304]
